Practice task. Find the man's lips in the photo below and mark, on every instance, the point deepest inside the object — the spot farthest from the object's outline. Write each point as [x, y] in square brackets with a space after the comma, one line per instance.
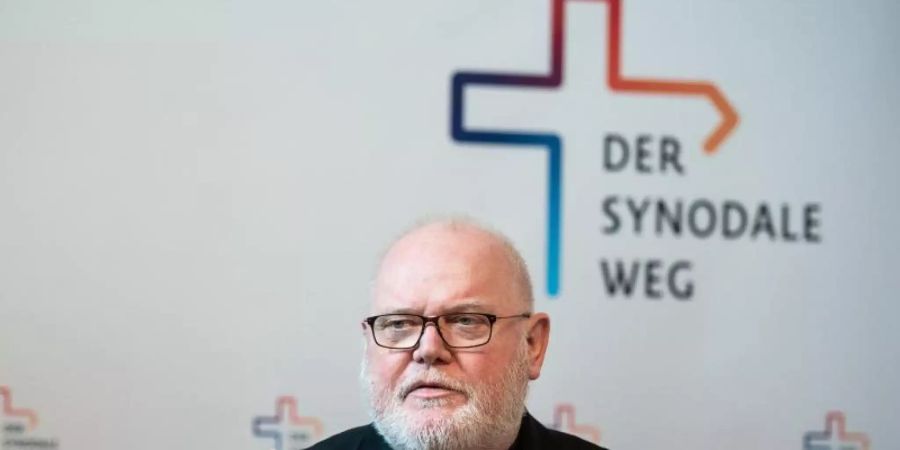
[430, 390]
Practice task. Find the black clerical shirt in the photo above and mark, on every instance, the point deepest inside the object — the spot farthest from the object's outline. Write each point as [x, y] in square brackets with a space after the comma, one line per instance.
[532, 436]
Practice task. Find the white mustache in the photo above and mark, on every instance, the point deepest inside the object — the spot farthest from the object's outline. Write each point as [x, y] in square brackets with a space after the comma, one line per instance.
[432, 378]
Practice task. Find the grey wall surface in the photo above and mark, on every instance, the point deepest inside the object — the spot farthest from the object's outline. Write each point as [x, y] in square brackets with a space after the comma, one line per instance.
[193, 196]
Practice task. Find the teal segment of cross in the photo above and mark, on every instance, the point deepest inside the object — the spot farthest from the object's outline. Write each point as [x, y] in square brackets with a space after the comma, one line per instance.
[551, 142]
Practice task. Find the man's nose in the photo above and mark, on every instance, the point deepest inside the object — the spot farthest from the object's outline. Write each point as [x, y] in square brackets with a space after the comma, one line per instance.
[432, 349]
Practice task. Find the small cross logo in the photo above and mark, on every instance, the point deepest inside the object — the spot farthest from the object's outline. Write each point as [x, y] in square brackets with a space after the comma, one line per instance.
[11, 411]
[18, 424]
[564, 420]
[835, 436]
[287, 429]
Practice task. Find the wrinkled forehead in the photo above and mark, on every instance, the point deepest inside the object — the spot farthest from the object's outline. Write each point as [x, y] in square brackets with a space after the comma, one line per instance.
[440, 271]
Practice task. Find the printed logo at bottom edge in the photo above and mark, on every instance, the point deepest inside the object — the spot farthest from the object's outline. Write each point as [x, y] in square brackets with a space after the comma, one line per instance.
[19, 425]
[564, 420]
[835, 436]
[287, 430]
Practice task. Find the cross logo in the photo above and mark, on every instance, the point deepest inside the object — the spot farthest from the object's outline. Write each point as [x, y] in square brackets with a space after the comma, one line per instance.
[10, 411]
[287, 429]
[551, 142]
[564, 420]
[835, 436]
[18, 425]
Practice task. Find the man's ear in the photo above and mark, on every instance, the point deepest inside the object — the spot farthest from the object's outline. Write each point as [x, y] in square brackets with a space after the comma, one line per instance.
[538, 338]
[364, 328]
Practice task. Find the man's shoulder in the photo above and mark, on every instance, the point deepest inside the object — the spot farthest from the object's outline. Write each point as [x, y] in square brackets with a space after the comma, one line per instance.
[355, 438]
[536, 436]
[553, 439]
[561, 440]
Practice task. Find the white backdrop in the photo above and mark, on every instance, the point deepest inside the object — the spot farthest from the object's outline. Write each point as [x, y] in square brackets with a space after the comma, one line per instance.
[193, 196]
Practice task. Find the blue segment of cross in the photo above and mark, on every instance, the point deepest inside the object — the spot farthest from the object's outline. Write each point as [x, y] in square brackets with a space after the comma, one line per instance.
[275, 435]
[551, 142]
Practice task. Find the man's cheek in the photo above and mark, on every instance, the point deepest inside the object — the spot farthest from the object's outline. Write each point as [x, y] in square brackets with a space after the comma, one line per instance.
[385, 377]
[476, 369]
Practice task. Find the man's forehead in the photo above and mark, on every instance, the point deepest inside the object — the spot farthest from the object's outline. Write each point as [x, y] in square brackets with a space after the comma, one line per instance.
[421, 285]
[439, 268]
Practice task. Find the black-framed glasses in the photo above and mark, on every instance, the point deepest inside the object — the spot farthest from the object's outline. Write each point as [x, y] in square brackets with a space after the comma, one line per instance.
[458, 330]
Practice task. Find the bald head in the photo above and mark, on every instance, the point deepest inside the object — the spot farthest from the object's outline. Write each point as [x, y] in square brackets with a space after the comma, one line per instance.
[456, 247]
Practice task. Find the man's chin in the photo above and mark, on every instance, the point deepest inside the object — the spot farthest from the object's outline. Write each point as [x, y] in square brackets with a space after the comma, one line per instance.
[430, 418]
[432, 412]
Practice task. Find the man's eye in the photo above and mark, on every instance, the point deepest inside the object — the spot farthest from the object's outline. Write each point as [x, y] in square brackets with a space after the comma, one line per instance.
[466, 320]
[397, 324]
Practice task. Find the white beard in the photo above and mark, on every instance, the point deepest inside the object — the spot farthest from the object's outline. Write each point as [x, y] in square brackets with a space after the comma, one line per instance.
[491, 415]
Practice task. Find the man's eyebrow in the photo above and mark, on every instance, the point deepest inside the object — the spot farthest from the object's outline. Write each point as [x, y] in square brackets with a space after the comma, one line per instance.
[461, 307]
[465, 307]
[401, 311]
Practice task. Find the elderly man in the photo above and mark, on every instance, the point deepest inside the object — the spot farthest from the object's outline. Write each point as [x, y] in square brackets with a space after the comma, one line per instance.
[451, 345]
